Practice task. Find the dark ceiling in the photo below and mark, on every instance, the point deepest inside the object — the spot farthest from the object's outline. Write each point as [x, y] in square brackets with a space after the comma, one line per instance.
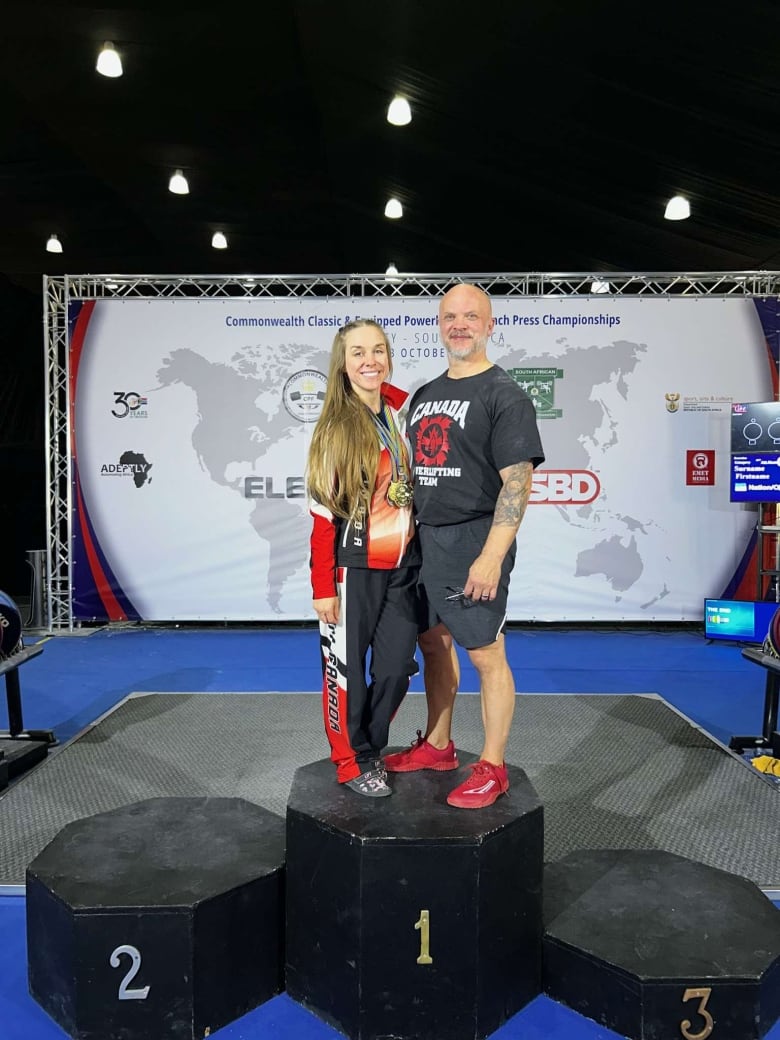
[545, 137]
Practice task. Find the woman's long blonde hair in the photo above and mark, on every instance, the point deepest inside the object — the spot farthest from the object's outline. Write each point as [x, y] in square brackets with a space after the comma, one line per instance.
[344, 452]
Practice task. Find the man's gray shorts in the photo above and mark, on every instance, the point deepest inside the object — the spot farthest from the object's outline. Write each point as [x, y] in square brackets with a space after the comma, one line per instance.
[447, 554]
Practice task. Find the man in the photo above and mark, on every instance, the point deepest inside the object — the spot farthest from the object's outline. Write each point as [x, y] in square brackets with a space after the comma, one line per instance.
[475, 443]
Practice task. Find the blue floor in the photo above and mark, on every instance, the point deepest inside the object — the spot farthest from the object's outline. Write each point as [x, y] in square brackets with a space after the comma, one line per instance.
[80, 677]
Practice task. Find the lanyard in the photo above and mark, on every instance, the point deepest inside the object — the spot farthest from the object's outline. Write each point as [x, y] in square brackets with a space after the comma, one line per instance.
[390, 437]
[399, 493]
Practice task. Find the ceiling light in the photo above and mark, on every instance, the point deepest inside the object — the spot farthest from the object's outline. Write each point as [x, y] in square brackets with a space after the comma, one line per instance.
[600, 286]
[391, 274]
[109, 63]
[178, 184]
[677, 208]
[218, 240]
[53, 245]
[394, 209]
[399, 113]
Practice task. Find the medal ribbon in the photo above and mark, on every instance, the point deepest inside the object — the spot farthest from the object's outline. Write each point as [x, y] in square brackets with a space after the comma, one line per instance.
[390, 437]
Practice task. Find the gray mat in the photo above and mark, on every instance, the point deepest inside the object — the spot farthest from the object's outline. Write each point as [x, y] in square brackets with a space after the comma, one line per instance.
[613, 771]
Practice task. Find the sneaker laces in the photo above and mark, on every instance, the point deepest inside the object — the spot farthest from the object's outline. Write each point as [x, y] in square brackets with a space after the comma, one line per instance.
[484, 769]
[373, 779]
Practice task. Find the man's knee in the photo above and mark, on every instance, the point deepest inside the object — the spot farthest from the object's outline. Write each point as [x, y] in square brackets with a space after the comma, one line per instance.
[491, 656]
[436, 642]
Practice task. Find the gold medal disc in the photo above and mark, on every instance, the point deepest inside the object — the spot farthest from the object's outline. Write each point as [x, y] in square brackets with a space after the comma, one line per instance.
[400, 493]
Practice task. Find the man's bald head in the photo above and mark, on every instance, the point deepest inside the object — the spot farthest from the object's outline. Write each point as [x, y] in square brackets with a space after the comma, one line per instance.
[465, 322]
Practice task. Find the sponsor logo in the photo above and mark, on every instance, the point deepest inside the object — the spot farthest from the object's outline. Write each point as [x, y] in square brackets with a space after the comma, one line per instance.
[130, 464]
[672, 402]
[699, 467]
[539, 384]
[129, 404]
[304, 395]
[270, 487]
[560, 487]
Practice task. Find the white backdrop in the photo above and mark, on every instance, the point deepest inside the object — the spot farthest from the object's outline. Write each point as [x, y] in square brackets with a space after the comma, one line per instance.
[192, 418]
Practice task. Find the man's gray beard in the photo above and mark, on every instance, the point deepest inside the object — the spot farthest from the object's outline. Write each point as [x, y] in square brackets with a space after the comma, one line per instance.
[474, 347]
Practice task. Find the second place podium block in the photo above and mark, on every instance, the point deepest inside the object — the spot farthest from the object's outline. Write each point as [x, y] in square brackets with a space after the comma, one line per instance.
[162, 919]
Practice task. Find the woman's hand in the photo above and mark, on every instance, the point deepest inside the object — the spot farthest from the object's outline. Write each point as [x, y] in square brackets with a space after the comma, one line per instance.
[327, 610]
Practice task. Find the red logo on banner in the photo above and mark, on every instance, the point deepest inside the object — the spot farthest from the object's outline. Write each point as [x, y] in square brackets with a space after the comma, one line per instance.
[700, 467]
[562, 486]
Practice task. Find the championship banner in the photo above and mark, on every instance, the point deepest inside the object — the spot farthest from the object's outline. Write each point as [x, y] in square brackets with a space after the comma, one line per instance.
[191, 422]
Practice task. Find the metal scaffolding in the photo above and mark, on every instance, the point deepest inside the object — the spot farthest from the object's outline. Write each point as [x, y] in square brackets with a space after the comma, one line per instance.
[60, 292]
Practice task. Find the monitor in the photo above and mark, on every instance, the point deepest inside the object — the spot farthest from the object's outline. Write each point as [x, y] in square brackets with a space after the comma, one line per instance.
[754, 477]
[745, 621]
[755, 426]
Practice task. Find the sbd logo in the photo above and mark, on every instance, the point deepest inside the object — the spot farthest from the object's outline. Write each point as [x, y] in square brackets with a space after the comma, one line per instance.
[562, 486]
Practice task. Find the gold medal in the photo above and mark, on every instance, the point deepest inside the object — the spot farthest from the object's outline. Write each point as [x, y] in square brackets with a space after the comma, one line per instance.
[400, 493]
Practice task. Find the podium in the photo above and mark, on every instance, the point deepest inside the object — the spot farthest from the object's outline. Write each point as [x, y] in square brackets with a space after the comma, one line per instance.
[654, 945]
[161, 919]
[407, 917]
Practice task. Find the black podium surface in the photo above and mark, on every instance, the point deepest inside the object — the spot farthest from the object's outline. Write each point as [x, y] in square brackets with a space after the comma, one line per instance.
[654, 945]
[407, 917]
[160, 919]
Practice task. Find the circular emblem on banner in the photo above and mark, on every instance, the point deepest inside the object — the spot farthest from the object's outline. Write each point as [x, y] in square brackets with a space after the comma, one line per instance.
[304, 395]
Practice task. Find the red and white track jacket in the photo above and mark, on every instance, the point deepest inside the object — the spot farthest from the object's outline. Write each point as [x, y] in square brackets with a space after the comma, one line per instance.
[381, 542]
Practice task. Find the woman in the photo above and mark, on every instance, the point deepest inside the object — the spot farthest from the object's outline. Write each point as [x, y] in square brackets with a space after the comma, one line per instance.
[364, 555]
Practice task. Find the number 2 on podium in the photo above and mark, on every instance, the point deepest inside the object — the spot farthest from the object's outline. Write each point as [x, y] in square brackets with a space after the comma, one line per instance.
[424, 928]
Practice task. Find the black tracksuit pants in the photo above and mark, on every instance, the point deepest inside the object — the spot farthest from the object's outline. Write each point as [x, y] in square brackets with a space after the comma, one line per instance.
[378, 612]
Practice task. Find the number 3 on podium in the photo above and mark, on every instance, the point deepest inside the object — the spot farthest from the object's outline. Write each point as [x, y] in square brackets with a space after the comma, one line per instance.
[685, 1026]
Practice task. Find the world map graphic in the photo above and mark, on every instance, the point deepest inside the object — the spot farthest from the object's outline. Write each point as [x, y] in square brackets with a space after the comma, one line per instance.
[241, 417]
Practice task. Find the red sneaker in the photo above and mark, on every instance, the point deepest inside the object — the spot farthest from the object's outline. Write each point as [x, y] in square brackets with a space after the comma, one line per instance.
[422, 755]
[485, 784]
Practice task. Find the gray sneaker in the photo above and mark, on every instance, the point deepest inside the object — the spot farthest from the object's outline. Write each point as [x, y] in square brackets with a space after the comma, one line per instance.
[372, 784]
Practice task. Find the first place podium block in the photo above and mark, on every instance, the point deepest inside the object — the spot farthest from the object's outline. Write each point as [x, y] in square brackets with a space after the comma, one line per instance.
[162, 920]
[408, 918]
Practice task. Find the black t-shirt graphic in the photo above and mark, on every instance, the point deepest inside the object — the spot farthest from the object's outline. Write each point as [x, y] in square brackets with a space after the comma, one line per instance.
[461, 433]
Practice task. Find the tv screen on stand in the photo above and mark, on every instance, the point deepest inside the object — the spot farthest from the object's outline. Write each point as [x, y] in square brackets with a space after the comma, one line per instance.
[754, 471]
[740, 621]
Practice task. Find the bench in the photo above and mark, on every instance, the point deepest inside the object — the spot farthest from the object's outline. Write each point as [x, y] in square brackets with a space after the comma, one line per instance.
[769, 738]
[36, 741]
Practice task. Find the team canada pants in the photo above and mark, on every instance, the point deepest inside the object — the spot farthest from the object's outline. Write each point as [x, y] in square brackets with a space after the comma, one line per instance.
[377, 612]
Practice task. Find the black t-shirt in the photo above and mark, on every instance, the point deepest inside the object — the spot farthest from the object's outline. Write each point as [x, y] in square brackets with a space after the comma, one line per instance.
[462, 432]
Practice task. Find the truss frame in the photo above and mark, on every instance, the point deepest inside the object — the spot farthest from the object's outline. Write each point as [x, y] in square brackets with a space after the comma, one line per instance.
[60, 292]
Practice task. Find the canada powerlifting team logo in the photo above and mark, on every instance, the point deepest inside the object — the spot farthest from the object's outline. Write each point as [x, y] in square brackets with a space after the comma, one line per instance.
[432, 442]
